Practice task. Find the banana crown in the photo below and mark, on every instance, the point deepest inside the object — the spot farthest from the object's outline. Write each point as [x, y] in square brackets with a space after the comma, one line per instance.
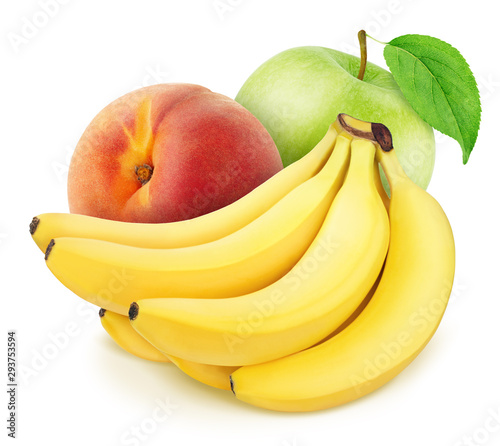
[379, 135]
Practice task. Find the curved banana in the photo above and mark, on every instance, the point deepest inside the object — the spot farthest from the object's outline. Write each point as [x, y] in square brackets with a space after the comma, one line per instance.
[120, 330]
[357, 311]
[219, 376]
[362, 129]
[389, 333]
[195, 231]
[112, 275]
[212, 375]
[320, 292]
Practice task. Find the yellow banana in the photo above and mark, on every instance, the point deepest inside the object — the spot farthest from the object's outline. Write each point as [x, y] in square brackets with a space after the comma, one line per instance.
[112, 275]
[380, 187]
[219, 376]
[120, 330]
[357, 311]
[390, 332]
[196, 231]
[212, 375]
[320, 292]
[362, 129]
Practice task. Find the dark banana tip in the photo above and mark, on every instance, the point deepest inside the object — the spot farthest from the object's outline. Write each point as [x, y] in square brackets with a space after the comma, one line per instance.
[49, 248]
[133, 311]
[232, 383]
[383, 136]
[34, 224]
[102, 311]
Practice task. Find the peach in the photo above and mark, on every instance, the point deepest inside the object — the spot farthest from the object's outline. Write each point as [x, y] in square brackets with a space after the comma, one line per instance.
[168, 152]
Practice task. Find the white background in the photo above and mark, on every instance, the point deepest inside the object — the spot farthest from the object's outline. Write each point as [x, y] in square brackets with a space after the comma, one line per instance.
[77, 387]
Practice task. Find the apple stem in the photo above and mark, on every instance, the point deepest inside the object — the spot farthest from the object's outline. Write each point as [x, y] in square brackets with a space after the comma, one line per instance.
[362, 46]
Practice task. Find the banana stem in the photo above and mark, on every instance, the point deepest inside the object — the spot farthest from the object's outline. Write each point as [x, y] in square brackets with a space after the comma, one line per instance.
[362, 46]
[383, 136]
[371, 131]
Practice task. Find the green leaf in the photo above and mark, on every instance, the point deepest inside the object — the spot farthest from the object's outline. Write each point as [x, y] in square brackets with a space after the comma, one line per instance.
[439, 85]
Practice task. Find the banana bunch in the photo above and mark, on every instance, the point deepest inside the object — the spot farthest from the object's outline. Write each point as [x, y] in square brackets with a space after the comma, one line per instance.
[310, 291]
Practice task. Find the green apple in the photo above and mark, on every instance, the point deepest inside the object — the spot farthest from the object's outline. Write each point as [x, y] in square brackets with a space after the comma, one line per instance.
[299, 92]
